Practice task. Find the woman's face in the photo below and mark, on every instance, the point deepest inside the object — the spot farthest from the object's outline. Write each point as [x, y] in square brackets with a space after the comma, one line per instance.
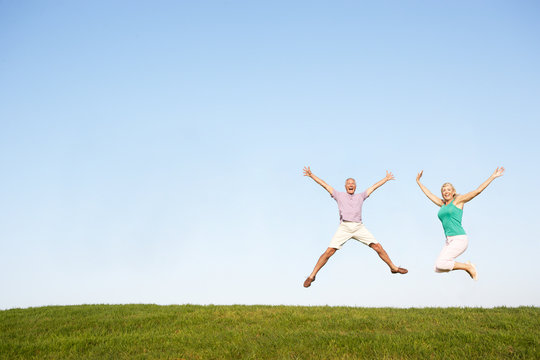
[448, 192]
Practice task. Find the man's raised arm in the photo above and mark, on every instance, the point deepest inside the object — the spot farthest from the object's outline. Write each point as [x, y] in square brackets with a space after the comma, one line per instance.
[307, 172]
[389, 176]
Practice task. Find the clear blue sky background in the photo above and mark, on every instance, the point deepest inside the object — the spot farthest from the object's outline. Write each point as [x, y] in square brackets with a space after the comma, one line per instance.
[152, 152]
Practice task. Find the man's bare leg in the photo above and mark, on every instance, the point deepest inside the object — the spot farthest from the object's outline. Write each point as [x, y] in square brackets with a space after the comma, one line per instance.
[384, 256]
[320, 263]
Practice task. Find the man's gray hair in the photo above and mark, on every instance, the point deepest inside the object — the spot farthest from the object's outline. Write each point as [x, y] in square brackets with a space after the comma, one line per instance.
[350, 179]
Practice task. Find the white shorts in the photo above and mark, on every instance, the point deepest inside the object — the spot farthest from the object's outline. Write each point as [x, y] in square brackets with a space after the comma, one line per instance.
[454, 246]
[351, 230]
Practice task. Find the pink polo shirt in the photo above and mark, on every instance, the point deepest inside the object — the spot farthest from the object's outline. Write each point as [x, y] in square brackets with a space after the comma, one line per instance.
[350, 206]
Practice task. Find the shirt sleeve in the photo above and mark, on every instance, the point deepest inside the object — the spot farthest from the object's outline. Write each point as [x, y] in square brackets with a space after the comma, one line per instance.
[335, 194]
[364, 195]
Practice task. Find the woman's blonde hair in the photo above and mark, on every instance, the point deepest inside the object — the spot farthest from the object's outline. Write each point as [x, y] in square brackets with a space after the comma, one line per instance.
[453, 188]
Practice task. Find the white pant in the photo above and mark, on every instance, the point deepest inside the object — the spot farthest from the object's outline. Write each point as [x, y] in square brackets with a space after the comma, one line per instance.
[454, 246]
[351, 230]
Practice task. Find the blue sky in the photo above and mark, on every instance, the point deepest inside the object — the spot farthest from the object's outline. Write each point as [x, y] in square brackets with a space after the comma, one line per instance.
[152, 152]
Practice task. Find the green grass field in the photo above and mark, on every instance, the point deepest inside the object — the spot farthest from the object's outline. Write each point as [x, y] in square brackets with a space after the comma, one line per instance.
[268, 332]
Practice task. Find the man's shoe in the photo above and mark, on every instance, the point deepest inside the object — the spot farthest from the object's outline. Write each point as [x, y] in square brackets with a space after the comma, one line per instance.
[400, 271]
[308, 282]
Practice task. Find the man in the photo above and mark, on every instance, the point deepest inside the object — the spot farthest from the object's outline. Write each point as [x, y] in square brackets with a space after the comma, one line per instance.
[351, 226]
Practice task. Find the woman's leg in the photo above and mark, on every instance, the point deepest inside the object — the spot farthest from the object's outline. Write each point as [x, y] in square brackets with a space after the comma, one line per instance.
[468, 267]
[455, 246]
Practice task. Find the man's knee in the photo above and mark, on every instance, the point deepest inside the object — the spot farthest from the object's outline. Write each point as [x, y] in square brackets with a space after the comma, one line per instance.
[376, 246]
[330, 251]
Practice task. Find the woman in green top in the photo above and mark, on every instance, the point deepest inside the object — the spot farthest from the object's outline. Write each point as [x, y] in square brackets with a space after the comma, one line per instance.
[450, 215]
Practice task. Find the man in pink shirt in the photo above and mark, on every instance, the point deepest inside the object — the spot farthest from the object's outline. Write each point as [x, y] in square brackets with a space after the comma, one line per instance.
[351, 226]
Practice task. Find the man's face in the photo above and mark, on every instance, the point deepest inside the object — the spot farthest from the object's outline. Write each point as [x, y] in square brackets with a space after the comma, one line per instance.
[350, 186]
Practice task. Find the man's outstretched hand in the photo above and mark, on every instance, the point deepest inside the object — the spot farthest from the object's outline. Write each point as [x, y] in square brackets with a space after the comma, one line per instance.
[307, 171]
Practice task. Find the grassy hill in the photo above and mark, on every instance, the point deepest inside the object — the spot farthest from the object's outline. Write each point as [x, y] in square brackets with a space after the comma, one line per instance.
[268, 332]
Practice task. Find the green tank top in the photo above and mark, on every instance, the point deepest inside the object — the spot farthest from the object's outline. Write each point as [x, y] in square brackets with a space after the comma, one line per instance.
[450, 216]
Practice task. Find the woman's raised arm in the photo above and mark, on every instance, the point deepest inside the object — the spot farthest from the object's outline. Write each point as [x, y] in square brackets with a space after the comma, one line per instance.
[436, 200]
[462, 199]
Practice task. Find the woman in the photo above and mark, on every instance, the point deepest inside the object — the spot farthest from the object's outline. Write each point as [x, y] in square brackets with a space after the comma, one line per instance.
[450, 215]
